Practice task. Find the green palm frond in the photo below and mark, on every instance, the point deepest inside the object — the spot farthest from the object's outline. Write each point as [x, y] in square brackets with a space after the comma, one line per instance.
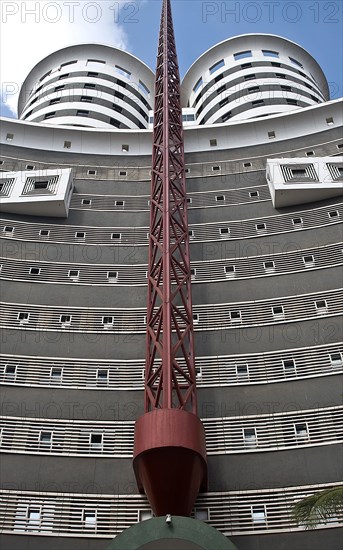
[319, 507]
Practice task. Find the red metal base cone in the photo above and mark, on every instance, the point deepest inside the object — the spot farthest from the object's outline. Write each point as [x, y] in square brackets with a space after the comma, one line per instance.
[170, 460]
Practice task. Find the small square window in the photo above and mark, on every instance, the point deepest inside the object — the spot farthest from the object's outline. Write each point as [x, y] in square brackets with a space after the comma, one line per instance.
[201, 514]
[107, 321]
[299, 173]
[191, 234]
[34, 271]
[329, 121]
[198, 373]
[336, 359]
[33, 516]
[213, 143]
[8, 229]
[30, 167]
[253, 194]
[86, 202]
[9, 137]
[334, 214]
[45, 438]
[249, 436]
[193, 273]
[119, 203]
[246, 164]
[269, 266]
[278, 312]
[261, 227]
[80, 235]
[125, 148]
[95, 441]
[67, 145]
[321, 306]
[340, 146]
[288, 367]
[229, 270]
[189, 200]
[102, 375]
[301, 430]
[308, 260]
[122, 173]
[23, 317]
[271, 135]
[297, 222]
[65, 320]
[235, 316]
[196, 318]
[216, 168]
[258, 514]
[89, 519]
[187, 170]
[116, 236]
[41, 185]
[56, 374]
[220, 198]
[44, 233]
[145, 515]
[242, 372]
[112, 276]
[224, 231]
[91, 172]
[74, 274]
[10, 373]
[309, 153]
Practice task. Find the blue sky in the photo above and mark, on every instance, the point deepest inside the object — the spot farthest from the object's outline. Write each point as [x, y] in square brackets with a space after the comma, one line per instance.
[133, 25]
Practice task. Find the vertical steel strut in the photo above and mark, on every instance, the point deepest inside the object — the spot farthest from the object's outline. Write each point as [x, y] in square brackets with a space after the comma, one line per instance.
[170, 369]
[170, 449]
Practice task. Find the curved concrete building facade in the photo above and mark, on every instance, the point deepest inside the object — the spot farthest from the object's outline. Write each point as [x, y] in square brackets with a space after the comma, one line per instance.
[265, 225]
[90, 85]
[250, 76]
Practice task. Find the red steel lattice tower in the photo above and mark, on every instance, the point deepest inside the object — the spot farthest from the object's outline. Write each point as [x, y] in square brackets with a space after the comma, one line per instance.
[170, 450]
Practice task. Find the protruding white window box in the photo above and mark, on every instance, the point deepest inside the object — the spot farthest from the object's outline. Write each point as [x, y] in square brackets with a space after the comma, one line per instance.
[37, 193]
[301, 180]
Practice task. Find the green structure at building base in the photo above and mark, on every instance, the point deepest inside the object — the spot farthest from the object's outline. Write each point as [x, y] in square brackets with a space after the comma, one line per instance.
[181, 534]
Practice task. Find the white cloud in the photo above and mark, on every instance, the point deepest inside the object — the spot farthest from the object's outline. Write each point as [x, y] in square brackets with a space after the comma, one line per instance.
[31, 30]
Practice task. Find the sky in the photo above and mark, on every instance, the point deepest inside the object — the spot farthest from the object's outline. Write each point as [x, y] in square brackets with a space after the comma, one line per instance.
[31, 30]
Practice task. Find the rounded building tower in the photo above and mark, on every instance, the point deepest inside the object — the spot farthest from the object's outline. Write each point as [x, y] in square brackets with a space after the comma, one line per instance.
[265, 225]
[251, 76]
[88, 85]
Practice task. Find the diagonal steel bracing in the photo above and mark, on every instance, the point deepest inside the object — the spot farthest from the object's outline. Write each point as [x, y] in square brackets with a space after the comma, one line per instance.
[170, 377]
